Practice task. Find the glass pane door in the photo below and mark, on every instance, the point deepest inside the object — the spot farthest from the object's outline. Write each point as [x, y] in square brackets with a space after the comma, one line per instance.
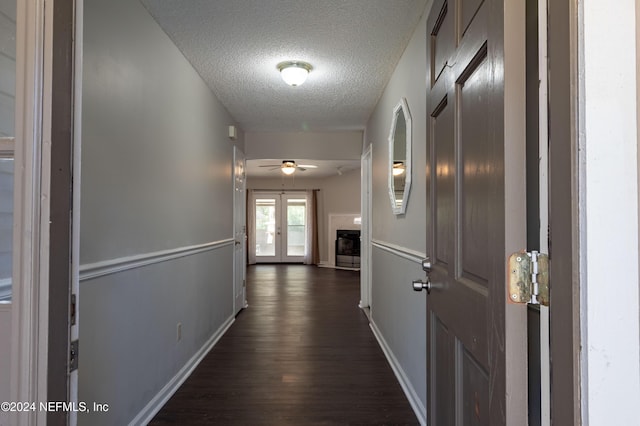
[280, 227]
[7, 133]
[6, 227]
[296, 226]
[265, 227]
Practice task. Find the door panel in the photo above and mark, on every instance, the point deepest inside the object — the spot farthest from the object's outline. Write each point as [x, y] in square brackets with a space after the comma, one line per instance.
[475, 399]
[444, 191]
[466, 194]
[280, 227]
[442, 375]
[267, 210]
[295, 231]
[469, 9]
[442, 41]
[473, 116]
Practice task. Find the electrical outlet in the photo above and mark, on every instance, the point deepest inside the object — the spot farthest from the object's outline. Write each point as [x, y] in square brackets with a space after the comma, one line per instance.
[179, 332]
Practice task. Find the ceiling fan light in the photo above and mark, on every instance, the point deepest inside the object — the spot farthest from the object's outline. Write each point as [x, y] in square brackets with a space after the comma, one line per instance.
[288, 167]
[294, 73]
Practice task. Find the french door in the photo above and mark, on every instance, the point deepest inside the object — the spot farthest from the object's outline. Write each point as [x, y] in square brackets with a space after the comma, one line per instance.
[280, 227]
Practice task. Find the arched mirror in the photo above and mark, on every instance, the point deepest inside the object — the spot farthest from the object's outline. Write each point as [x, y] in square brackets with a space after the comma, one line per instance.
[400, 157]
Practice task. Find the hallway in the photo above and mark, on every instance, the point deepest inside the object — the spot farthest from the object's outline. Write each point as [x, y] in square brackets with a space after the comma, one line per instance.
[301, 354]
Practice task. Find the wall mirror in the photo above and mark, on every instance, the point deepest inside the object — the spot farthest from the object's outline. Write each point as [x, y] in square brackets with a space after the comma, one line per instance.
[400, 157]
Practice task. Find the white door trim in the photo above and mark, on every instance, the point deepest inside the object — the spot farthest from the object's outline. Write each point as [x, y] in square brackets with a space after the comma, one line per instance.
[29, 343]
[543, 172]
[77, 177]
[365, 235]
[239, 260]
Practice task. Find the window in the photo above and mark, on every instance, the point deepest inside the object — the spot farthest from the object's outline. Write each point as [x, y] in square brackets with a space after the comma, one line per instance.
[7, 132]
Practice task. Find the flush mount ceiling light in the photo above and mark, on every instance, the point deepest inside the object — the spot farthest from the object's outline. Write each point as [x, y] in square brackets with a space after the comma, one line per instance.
[288, 167]
[294, 73]
[398, 168]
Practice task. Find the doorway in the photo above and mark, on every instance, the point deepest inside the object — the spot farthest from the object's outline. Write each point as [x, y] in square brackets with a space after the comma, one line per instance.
[280, 227]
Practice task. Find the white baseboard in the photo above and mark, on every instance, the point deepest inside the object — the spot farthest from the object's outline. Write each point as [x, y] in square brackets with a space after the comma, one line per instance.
[156, 404]
[330, 266]
[407, 387]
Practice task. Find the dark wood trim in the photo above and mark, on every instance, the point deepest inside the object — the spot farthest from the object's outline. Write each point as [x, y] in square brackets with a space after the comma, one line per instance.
[563, 218]
[60, 207]
[534, 388]
[533, 131]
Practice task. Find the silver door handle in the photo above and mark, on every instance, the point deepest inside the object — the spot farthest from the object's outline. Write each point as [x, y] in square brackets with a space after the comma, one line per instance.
[419, 285]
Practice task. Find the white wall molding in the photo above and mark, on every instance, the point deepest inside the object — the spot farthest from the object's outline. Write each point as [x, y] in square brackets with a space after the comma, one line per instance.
[112, 266]
[403, 252]
[410, 392]
[161, 398]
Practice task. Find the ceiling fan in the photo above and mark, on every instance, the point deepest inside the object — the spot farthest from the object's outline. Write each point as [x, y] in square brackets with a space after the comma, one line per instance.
[289, 167]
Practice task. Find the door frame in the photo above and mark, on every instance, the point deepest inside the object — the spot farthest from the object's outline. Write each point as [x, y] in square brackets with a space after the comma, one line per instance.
[239, 194]
[564, 310]
[41, 241]
[366, 170]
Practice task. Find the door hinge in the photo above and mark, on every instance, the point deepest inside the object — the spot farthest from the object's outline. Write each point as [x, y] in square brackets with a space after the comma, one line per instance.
[528, 278]
[72, 314]
[73, 356]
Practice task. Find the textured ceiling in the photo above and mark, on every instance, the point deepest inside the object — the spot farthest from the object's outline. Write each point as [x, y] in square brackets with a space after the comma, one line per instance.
[235, 45]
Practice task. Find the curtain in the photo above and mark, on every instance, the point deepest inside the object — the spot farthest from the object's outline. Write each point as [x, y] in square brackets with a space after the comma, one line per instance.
[311, 252]
[251, 227]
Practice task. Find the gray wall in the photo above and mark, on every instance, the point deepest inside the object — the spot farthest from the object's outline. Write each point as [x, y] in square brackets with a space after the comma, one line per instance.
[338, 194]
[398, 312]
[311, 145]
[156, 177]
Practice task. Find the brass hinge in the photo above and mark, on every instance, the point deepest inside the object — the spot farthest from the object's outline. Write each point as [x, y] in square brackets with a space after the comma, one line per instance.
[528, 278]
[73, 355]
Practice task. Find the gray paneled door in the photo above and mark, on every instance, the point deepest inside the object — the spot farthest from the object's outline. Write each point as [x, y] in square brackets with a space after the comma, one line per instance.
[466, 215]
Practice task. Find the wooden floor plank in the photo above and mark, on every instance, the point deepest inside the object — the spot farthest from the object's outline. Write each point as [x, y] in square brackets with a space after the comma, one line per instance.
[302, 353]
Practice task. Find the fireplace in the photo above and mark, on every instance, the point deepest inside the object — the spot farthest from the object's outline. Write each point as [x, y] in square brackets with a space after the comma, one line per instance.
[348, 248]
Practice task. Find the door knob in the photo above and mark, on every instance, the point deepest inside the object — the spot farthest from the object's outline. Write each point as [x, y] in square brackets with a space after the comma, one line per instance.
[419, 285]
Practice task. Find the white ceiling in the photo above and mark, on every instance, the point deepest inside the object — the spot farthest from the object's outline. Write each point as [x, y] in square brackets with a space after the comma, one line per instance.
[235, 45]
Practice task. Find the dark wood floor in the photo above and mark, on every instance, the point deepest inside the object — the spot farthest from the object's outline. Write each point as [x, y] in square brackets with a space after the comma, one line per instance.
[301, 354]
